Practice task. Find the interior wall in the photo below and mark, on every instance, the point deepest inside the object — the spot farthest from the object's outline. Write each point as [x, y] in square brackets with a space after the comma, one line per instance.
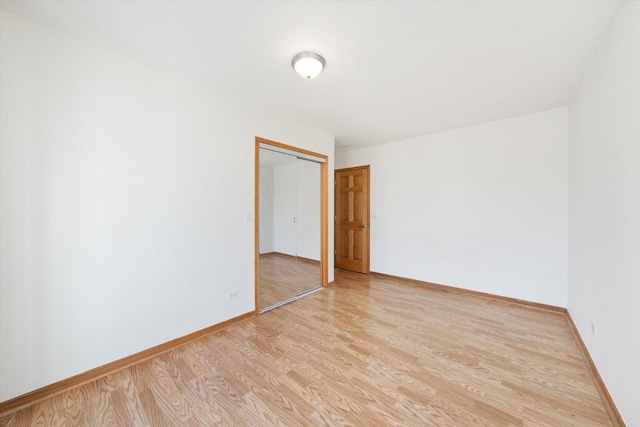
[481, 208]
[267, 244]
[604, 210]
[124, 194]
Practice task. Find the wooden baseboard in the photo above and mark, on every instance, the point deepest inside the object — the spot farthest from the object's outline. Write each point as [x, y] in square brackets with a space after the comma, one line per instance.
[35, 396]
[610, 406]
[445, 288]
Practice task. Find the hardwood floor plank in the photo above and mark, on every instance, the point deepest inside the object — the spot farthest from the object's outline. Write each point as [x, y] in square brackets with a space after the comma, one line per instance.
[73, 403]
[354, 355]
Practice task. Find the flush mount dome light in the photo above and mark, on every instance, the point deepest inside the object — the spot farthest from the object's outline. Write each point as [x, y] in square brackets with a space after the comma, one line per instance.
[307, 64]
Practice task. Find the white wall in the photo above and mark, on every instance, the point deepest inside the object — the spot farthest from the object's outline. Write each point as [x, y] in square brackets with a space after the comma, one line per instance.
[267, 244]
[482, 208]
[123, 193]
[604, 210]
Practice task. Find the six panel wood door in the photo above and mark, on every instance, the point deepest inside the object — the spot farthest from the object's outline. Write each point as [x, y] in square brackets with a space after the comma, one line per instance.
[352, 219]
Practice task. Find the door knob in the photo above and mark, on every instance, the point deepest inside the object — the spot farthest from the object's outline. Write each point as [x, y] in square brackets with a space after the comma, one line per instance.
[363, 226]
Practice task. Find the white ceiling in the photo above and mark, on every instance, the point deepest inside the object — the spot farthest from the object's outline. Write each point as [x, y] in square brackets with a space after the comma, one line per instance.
[394, 69]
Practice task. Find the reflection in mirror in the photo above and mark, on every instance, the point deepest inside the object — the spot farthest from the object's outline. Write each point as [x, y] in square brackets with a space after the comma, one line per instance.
[289, 228]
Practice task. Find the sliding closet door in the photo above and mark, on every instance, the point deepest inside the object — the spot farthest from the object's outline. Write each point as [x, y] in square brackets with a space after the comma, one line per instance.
[289, 227]
[307, 225]
[278, 194]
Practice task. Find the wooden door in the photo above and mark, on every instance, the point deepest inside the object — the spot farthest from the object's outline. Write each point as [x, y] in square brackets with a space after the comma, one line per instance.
[352, 219]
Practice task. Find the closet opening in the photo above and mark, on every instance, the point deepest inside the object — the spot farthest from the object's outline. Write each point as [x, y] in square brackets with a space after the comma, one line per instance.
[291, 223]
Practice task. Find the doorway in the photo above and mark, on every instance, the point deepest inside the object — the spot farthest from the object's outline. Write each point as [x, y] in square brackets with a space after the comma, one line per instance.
[352, 219]
[291, 223]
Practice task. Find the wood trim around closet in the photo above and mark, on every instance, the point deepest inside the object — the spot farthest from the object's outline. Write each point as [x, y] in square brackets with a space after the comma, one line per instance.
[324, 212]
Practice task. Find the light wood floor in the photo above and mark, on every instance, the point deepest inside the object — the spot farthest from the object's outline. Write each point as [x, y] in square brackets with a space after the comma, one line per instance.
[283, 277]
[369, 351]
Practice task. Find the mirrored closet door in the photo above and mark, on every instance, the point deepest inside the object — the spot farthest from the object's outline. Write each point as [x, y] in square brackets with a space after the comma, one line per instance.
[289, 238]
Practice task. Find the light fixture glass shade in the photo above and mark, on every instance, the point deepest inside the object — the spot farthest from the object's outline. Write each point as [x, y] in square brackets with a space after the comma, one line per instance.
[307, 64]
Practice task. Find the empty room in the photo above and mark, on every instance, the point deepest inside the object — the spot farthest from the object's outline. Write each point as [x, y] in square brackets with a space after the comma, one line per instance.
[292, 213]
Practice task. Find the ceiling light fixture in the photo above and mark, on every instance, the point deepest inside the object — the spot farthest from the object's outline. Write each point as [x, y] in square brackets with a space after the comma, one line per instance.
[308, 64]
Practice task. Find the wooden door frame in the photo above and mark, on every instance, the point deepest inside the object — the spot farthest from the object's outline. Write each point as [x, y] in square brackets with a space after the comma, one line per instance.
[324, 207]
[366, 220]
